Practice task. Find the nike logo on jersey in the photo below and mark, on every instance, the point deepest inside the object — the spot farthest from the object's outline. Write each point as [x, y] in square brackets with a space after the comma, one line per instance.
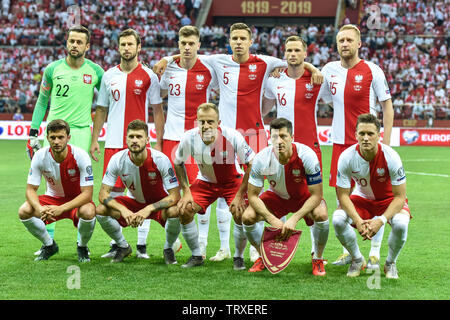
[58, 77]
[280, 87]
[333, 75]
[113, 83]
[355, 171]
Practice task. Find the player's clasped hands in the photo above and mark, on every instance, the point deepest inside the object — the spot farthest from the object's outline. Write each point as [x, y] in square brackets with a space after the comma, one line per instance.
[50, 212]
[373, 226]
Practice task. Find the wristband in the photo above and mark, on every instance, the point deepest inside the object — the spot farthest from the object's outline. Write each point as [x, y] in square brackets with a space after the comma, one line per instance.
[383, 218]
[34, 132]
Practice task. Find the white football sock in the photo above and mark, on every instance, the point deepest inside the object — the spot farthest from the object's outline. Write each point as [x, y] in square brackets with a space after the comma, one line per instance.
[143, 231]
[190, 235]
[253, 233]
[85, 230]
[320, 230]
[223, 223]
[240, 240]
[114, 194]
[203, 225]
[398, 236]
[313, 244]
[345, 233]
[37, 228]
[375, 243]
[113, 229]
[173, 228]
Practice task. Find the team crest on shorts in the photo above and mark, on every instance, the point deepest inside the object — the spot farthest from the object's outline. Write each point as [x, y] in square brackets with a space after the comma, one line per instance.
[277, 255]
[71, 172]
[87, 78]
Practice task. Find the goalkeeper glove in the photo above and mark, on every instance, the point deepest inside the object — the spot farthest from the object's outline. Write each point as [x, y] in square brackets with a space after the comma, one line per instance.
[33, 144]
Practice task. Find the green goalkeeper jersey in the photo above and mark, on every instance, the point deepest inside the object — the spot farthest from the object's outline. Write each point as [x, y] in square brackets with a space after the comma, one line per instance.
[70, 92]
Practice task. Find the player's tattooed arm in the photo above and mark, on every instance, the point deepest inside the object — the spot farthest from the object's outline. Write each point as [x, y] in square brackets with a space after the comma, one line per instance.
[180, 171]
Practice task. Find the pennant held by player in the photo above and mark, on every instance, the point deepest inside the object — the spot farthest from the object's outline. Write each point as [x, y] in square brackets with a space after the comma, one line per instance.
[277, 255]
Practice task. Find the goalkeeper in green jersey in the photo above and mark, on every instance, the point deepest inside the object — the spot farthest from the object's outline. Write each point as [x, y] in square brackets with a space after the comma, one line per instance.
[69, 85]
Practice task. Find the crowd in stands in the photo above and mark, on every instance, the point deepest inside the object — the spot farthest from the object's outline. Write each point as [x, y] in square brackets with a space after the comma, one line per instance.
[410, 44]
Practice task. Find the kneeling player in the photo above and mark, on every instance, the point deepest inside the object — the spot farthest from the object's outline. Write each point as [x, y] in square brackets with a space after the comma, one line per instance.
[379, 195]
[152, 187]
[68, 172]
[216, 150]
[293, 171]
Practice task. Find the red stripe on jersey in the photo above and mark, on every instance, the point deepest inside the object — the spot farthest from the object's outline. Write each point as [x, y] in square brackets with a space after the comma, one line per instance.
[197, 82]
[70, 175]
[138, 82]
[305, 127]
[356, 97]
[380, 179]
[295, 177]
[151, 180]
[248, 108]
[223, 157]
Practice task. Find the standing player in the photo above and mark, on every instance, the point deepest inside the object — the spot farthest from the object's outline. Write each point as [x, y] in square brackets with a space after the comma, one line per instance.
[355, 85]
[151, 183]
[126, 91]
[293, 171]
[68, 172]
[214, 148]
[187, 82]
[379, 196]
[296, 100]
[242, 77]
[69, 84]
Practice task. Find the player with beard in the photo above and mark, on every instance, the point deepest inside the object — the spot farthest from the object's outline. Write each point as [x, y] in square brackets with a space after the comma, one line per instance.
[152, 188]
[69, 84]
[126, 91]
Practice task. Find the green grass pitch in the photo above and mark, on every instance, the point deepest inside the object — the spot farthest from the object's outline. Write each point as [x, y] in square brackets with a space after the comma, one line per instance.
[423, 264]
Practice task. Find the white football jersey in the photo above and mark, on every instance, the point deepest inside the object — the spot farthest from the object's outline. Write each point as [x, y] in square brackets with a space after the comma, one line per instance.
[127, 96]
[218, 162]
[146, 184]
[288, 181]
[186, 90]
[63, 179]
[374, 179]
[241, 89]
[296, 100]
[353, 92]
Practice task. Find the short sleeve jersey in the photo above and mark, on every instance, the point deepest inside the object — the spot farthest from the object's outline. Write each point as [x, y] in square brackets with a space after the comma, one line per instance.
[72, 91]
[186, 90]
[146, 184]
[63, 179]
[374, 179]
[241, 89]
[288, 181]
[127, 96]
[296, 100]
[220, 161]
[353, 91]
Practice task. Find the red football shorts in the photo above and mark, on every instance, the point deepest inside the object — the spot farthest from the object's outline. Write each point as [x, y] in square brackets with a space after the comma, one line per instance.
[58, 201]
[281, 207]
[367, 209]
[135, 206]
[169, 149]
[109, 152]
[205, 193]
[337, 150]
